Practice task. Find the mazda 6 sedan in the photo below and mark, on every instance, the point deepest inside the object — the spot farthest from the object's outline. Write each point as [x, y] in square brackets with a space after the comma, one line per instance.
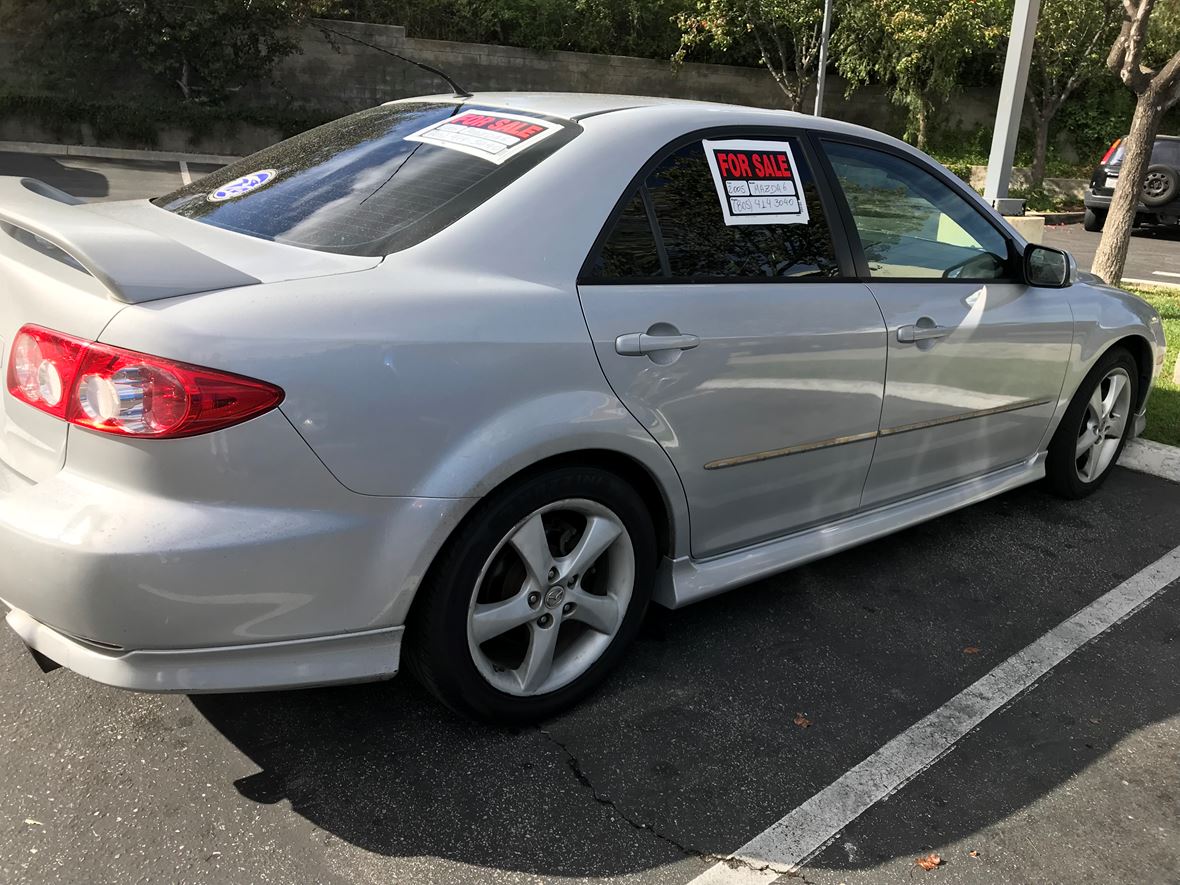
[469, 382]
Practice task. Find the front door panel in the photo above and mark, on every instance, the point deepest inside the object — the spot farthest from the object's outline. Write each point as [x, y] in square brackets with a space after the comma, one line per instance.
[973, 399]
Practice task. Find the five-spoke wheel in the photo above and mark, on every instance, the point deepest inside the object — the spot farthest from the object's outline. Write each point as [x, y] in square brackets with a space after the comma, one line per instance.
[536, 596]
[1095, 426]
[551, 597]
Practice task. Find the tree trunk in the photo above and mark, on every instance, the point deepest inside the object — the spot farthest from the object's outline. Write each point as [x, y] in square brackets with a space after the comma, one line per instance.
[923, 125]
[1040, 151]
[1116, 235]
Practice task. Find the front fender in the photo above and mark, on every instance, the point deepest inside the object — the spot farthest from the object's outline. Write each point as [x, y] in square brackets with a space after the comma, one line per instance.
[1103, 316]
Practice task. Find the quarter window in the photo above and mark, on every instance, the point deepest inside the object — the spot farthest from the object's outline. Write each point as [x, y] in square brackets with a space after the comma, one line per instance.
[911, 224]
[699, 245]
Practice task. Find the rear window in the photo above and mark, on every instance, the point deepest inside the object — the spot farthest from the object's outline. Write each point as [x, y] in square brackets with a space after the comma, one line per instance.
[374, 182]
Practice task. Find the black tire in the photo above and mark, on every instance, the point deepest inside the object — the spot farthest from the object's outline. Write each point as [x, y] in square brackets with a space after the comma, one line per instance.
[1061, 468]
[1093, 221]
[1161, 186]
[437, 651]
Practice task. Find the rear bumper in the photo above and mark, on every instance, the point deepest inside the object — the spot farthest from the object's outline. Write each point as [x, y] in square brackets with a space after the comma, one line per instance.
[1101, 203]
[299, 663]
[225, 562]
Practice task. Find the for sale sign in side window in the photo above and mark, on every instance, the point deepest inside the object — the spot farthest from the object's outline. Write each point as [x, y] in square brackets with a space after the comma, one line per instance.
[490, 136]
[757, 181]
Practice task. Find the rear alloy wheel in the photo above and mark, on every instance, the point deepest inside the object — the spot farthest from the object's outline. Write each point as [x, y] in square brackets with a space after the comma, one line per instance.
[551, 597]
[1095, 427]
[536, 598]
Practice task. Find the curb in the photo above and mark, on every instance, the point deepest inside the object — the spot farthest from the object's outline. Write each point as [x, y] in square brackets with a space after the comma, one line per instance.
[104, 153]
[1147, 456]
[1060, 217]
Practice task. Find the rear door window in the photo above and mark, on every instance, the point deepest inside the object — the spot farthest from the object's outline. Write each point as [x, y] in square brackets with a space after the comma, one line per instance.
[754, 213]
[376, 181]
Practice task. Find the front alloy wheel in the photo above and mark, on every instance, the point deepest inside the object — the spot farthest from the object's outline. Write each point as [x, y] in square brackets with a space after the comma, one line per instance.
[1104, 423]
[1095, 427]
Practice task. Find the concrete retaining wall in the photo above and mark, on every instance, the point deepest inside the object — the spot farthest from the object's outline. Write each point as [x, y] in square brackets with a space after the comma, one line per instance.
[335, 75]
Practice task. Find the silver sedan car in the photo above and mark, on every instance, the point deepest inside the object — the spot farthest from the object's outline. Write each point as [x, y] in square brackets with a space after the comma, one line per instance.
[469, 382]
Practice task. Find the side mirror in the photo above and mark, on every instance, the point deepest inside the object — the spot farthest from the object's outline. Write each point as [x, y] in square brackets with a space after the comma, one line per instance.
[1048, 267]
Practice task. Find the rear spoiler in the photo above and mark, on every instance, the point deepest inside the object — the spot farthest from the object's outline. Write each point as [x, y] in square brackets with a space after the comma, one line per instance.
[134, 263]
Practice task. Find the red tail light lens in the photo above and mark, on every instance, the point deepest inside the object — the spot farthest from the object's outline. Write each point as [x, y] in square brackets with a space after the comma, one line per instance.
[1110, 151]
[127, 393]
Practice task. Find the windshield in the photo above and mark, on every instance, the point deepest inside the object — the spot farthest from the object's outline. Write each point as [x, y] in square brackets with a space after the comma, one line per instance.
[375, 182]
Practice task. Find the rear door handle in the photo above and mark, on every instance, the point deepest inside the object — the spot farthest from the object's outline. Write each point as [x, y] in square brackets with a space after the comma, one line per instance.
[641, 343]
[910, 334]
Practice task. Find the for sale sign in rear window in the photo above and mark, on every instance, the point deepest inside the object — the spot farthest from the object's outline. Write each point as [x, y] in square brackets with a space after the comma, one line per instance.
[757, 181]
[494, 136]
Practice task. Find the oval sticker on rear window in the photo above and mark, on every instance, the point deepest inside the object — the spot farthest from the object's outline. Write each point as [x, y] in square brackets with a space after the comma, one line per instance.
[243, 185]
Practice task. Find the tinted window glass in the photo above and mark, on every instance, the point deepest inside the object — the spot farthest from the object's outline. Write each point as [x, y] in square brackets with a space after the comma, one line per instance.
[630, 251]
[357, 186]
[1166, 151]
[700, 244]
[912, 224]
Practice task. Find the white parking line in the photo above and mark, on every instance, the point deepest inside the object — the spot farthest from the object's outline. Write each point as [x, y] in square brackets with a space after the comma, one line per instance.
[791, 842]
[1165, 273]
[184, 174]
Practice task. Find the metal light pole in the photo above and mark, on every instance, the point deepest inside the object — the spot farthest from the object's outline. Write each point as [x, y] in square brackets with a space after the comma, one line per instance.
[999, 164]
[823, 59]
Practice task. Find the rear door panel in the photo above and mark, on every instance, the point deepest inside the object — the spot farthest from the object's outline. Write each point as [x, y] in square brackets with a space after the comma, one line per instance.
[780, 367]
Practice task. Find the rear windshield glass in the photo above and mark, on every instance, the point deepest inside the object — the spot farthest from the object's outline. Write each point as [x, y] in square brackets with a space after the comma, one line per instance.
[374, 182]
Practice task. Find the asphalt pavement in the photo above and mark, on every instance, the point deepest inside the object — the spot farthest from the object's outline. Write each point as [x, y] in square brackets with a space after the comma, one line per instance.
[726, 717]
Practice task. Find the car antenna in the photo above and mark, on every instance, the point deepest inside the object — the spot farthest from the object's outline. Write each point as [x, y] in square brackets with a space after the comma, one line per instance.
[460, 92]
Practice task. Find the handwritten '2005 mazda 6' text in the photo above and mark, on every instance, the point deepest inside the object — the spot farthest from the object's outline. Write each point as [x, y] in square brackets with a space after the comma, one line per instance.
[470, 381]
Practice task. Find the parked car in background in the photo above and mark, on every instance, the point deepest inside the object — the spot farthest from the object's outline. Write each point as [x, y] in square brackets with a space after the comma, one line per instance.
[464, 383]
[1159, 203]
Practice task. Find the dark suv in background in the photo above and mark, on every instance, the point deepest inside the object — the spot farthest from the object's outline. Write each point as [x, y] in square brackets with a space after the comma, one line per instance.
[1159, 203]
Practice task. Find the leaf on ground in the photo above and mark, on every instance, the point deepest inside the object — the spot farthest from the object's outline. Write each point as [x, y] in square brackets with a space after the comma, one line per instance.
[929, 862]
[802, 721]
[971, 650]
[973, 853]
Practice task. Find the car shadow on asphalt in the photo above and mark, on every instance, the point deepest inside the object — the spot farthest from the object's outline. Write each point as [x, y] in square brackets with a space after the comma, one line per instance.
[729, 713]
[84, 183]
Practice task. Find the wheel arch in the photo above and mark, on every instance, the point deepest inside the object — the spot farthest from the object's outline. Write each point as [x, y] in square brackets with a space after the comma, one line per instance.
[665, 505]
[1140, 348]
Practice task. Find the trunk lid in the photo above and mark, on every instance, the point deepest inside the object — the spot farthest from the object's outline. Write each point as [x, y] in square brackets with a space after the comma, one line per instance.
[71, 266]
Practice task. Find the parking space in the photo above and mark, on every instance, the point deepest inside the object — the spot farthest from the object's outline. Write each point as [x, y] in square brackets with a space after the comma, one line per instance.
[727, 715]
[1154, 254]
[103, 178]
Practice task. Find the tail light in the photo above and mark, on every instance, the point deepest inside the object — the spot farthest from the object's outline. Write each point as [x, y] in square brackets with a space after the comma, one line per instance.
[126, 393]
[1110, 152]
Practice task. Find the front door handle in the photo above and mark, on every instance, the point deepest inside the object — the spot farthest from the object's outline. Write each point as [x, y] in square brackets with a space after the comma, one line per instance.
[910, 334]
[641, 343]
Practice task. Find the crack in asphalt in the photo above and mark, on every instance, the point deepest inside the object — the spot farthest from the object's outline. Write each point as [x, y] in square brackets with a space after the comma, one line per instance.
[707, 856]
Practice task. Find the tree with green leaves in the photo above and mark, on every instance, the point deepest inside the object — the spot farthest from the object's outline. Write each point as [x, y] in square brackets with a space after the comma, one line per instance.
[205, 50]
[1070, 49]
[916, 49]
[1146, 58]
[786, 34]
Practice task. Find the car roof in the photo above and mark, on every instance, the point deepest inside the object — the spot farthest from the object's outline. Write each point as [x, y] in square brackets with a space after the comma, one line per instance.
[566, 105]
[581, 105]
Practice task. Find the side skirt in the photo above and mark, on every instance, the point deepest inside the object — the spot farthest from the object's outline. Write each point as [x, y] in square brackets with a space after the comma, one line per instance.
[686, 580]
